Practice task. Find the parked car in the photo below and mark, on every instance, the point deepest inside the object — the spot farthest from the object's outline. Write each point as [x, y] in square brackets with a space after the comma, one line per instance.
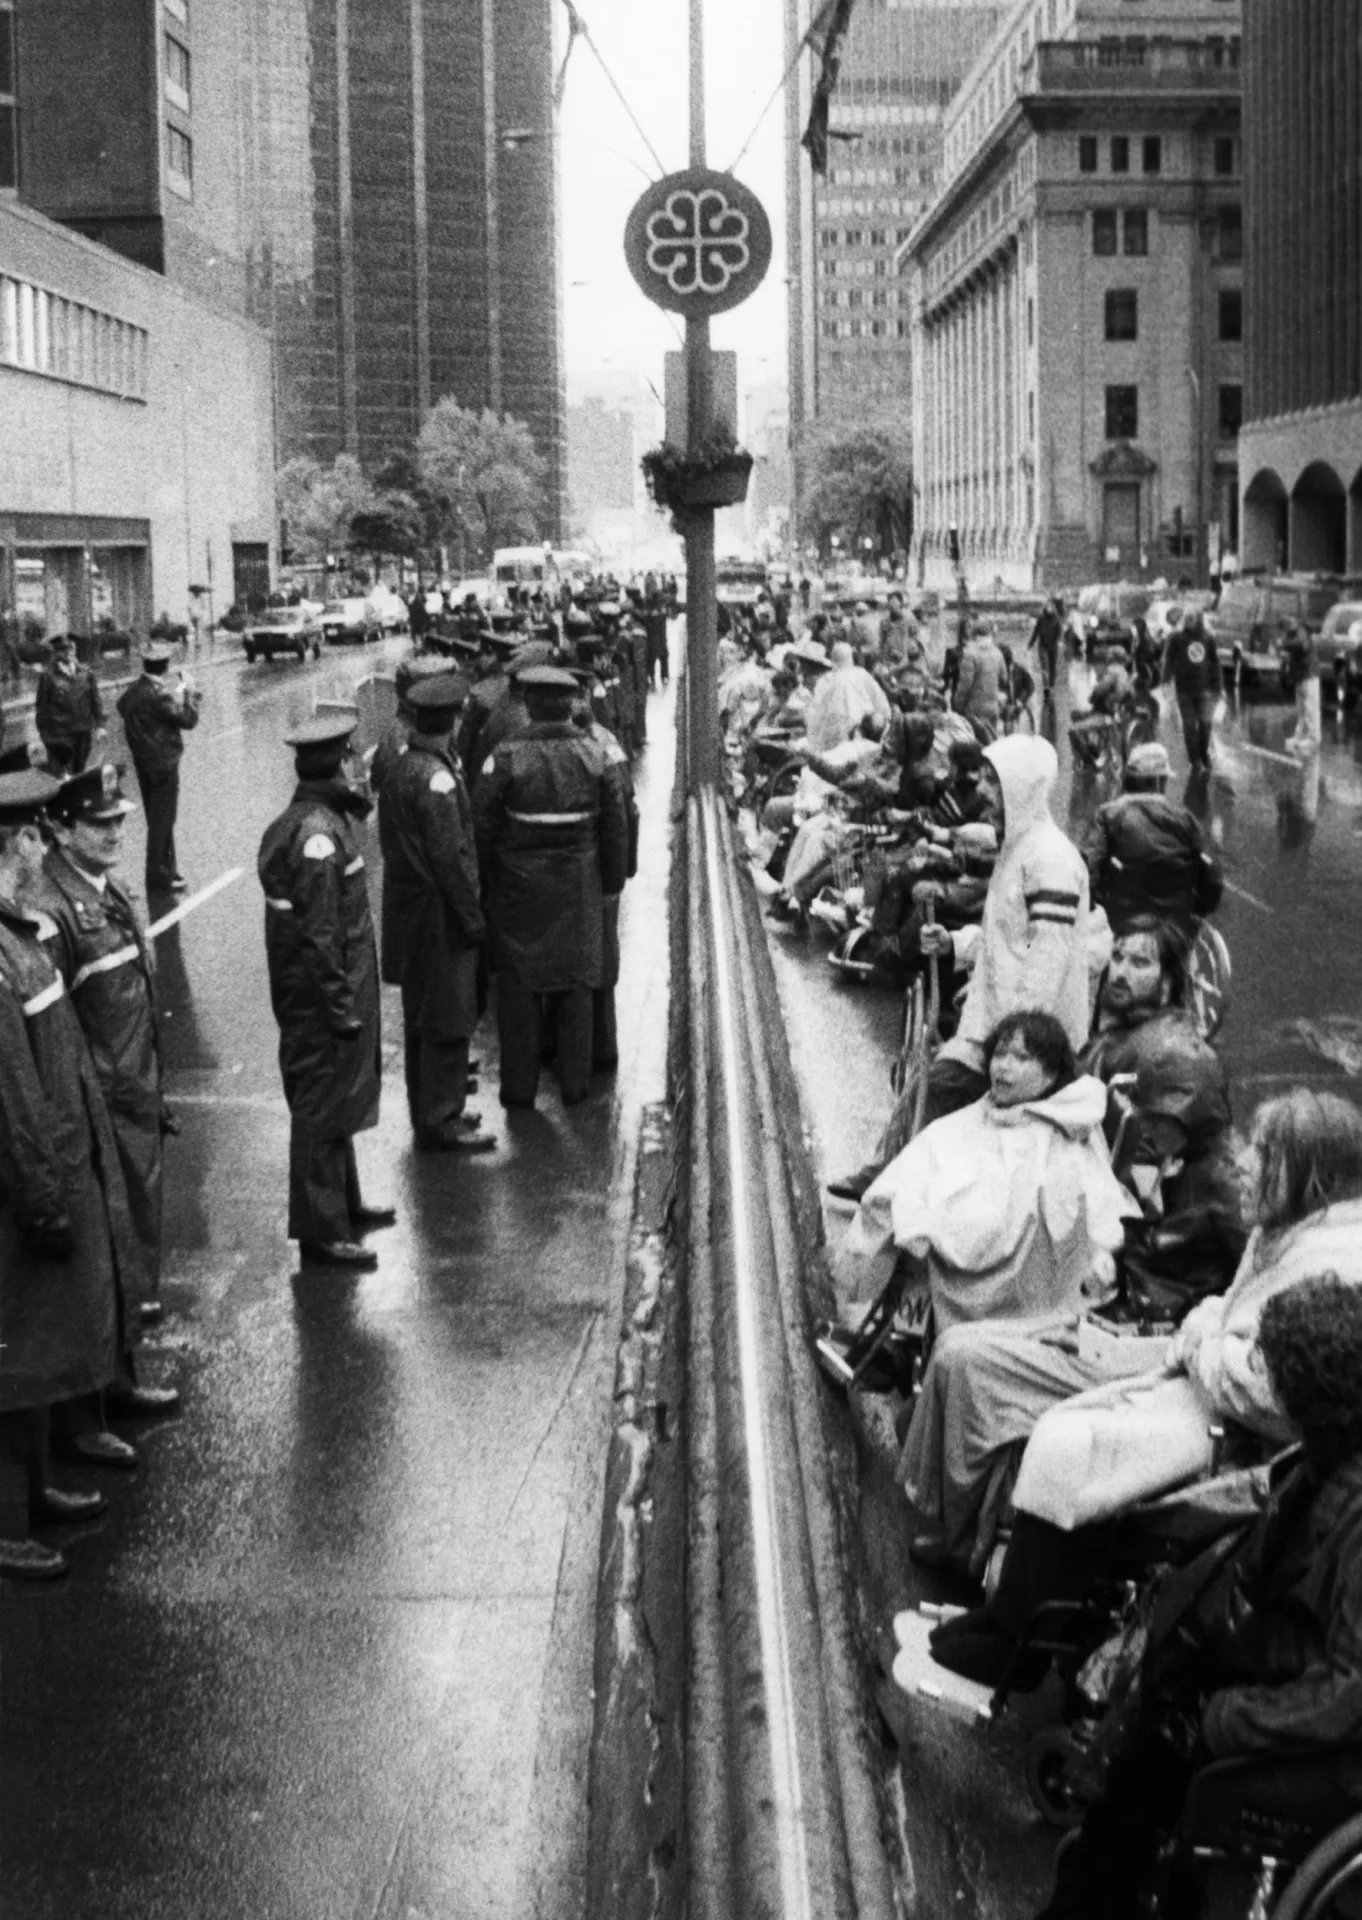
[1252, 612]
[349, 621]
[1110, 610]
[282, 630]
[478, 585]
[1338, 650]
[390, 607]
[1159, 619]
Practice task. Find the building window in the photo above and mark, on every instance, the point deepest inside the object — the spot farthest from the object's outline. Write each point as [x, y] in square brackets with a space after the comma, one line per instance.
[1030, 416]
[1122, 314]
[1087, 153]
[1104, 230]
[1231, 313]
[1229, 234]
[180, 155]
[879, 237]
[9, 151]
[1120, 154]
[852, 236]
[177, 72]
[1231, 411]
[1136, 231]
[1152, 154]
[1223, 156]
[1123, 413]
[1030, 323]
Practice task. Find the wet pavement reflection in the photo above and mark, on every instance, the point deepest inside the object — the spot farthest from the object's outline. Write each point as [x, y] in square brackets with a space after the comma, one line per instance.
[329, 1653]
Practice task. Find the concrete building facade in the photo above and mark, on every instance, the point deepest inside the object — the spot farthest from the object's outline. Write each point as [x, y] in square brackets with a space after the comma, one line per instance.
[849, 317]
[137, 461]
[1078, 300]
[1301, 445]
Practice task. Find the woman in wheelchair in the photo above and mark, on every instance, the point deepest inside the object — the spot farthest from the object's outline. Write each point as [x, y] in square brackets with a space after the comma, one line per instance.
[1094, 1457]
[1242, 1736]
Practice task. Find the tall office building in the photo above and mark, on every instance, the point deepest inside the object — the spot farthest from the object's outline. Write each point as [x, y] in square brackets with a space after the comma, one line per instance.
[902, 60]
[1300, 450]
[374, 182]
[1078, 298]
[137, 459]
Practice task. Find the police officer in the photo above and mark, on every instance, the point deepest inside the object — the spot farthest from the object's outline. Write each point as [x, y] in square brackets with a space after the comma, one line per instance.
[431, 899]
[101, 953]
[64, 1229]
[605, 1046]
[489, 690]
[553, 841]
[157, 712]
[69, 711]
[323, 965]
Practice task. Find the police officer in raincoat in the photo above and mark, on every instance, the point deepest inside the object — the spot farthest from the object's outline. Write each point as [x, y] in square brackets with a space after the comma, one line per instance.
[64, 1228]
[553, 842]
[323, 965]
[434, 927]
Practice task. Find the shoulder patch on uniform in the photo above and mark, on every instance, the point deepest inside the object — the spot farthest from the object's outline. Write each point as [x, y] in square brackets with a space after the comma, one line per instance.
[442, 781]
[615, 754]
[47, 926]
[318, 846]
[489, 764]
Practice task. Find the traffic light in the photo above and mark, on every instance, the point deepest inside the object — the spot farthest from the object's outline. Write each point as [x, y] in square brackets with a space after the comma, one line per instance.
[953, 544]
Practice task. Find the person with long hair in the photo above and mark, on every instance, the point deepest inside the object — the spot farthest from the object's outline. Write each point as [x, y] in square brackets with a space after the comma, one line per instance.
[1097, 1455]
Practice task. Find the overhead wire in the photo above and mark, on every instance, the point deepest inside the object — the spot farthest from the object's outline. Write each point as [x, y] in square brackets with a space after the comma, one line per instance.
[779, 88]
[584, 30]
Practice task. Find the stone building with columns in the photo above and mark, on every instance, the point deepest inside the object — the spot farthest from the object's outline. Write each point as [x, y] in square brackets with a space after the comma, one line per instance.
[1077, 299]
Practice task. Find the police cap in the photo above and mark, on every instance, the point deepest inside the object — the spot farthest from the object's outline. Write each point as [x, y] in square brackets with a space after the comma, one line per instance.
[324, 730]
[96, 795]
[548, 680]
[24, 797]
[440, 693]
[155, 655]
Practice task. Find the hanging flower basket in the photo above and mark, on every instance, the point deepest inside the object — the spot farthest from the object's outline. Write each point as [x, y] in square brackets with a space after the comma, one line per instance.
[715, 477]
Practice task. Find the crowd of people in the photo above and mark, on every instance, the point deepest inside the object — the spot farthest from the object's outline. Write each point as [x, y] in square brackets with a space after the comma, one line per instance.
[1086, 1289]
[508, 831]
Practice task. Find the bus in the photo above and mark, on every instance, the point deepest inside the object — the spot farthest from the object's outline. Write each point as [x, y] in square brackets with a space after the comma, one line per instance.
[543, 567]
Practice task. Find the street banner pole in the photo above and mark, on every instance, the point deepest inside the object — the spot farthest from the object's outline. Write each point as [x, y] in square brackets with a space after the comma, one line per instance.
[702, 613]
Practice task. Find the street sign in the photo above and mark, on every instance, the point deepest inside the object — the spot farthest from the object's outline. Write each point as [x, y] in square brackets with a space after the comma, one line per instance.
[698, 242]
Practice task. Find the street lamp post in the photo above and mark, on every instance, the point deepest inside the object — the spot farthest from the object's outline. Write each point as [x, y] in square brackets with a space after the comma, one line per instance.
[702, 637]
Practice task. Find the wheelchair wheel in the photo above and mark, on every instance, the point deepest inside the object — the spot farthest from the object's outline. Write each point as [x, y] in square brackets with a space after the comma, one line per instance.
[782, 782]
[910, 1033]
[1052, 1757]
[1327, 1885]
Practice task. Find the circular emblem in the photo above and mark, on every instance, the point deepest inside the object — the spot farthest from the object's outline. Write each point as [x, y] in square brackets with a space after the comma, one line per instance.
[1196, 653]
[698, 242]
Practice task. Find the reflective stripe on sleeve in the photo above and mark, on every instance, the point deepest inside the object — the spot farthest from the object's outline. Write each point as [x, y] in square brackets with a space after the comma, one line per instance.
[41, 1001]
[280, 906]
[549, 819]
[105, 964]
[356, 865]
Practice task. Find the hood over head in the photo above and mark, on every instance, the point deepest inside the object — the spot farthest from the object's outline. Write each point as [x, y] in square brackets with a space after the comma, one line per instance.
[842, 656]
[1027, 769]
[1073, 1110]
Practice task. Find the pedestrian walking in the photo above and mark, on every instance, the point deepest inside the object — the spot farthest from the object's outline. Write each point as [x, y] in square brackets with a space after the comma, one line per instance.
[101, 952]
[655, 626]
[157, 710]
[982, 678]
[1192, 664]
[323, 966]
[69, 712]
[1301, 672]
[605, 1046]
[1045, 638]
[433, 920]
[553, 842]
[61, 1205]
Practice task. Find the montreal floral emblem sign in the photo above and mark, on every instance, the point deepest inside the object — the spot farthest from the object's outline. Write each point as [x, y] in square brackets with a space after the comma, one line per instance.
[698, 243]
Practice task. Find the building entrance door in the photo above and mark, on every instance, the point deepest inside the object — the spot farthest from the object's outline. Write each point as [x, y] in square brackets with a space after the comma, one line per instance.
[1121, 518]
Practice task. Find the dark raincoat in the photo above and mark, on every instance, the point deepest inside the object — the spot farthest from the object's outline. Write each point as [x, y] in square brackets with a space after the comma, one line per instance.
[323, 961]
[58, 1163]
[619, 773]
[104, 959]
[483, 699]
[389, 751]
[430, 887]
[553, 840]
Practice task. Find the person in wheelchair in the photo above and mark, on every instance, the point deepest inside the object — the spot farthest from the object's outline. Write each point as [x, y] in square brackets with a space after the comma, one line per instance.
[1009, 1206]
[1246, 1720]
[1170, 1123]
[1092, 1458]
[1146, 854]
[1111, 702]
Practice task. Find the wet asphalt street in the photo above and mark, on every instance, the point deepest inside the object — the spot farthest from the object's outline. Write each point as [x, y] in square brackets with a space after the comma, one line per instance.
[1290, 838]
[328, 1657]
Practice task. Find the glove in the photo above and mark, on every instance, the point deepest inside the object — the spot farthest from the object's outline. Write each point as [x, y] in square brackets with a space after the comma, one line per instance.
[51, 1239]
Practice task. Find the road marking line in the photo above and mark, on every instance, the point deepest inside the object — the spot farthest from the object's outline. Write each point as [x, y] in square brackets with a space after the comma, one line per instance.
[1252, 898]
[263, 1103]
[176, 914]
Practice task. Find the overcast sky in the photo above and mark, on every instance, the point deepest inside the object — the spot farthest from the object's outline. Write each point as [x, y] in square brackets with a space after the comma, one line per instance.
[644, 43]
